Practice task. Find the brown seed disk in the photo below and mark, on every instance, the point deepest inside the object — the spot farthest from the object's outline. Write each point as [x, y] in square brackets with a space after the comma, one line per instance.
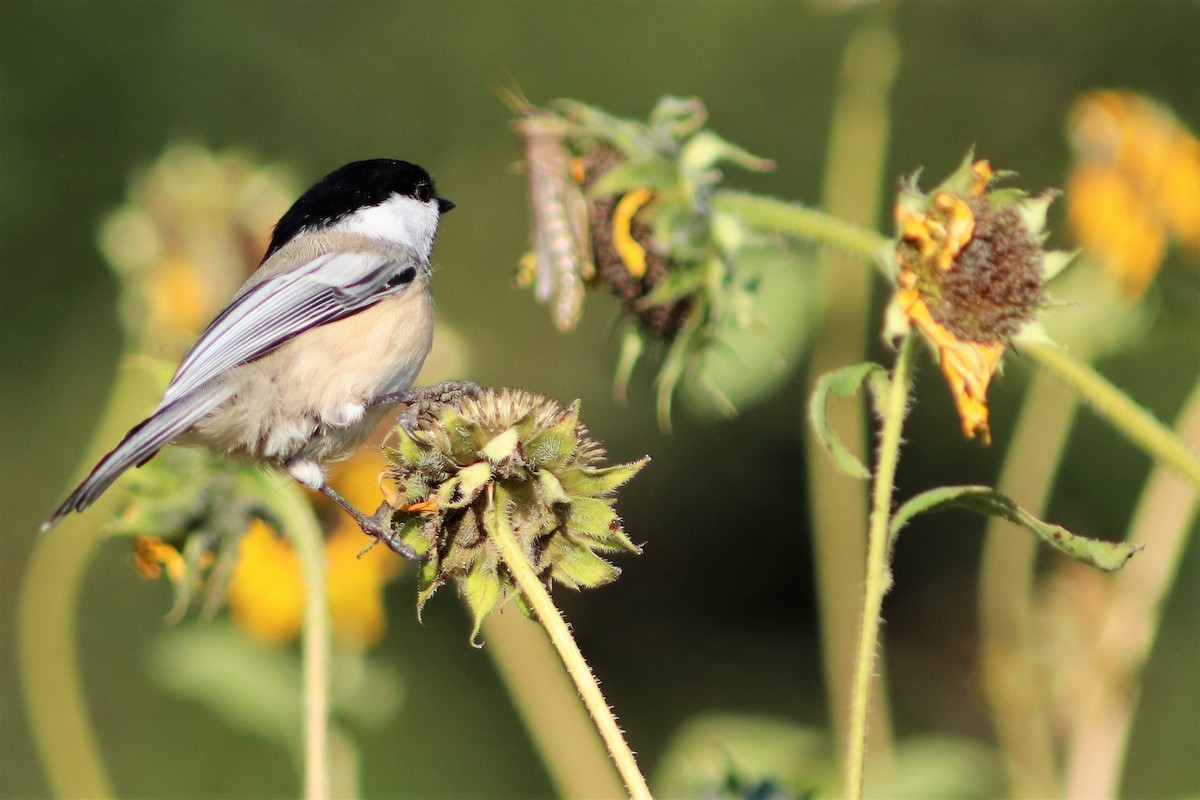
[995, 284]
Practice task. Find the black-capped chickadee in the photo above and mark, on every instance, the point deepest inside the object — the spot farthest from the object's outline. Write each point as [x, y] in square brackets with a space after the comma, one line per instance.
[329, 332]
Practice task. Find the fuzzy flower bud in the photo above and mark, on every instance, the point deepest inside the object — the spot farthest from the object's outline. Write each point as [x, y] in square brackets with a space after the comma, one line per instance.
[512, 453]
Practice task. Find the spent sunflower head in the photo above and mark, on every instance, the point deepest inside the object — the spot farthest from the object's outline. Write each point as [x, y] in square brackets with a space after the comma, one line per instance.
[513, 453]
[970, 274]
[625, 207]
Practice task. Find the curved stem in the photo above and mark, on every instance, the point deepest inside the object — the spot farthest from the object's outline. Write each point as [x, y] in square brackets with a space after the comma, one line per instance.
[793, 219]
[545, 698]
[1117, 408]
[47, 616]
[560, 635]
[852, 189]
[878, 571]
[288, 505]
[1164, 520]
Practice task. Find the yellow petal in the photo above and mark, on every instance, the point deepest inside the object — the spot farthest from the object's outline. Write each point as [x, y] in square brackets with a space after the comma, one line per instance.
[1116, 226]
[960, 227]
[914, 227]
[632, 252]
[1136, 184]
[981, 170]
[967, 366]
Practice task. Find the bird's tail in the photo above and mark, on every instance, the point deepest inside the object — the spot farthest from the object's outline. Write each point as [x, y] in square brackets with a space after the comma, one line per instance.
[138, 447]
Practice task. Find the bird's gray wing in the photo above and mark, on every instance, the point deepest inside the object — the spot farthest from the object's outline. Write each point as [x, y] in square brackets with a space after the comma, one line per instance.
[269, 313]
[259, 319]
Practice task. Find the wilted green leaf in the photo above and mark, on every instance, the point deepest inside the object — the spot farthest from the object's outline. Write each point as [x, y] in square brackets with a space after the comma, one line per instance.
[550, 489]
[655, 173]
[591, 516]
[674, 286]
[1105, 555]
[751, 356]
[428, 580]
[678, 116]
[461, 433]
[841, 383]
[705, 150]
[406, 451]
[409, 528]
[253, 687]
[577, 566]
[481, 589]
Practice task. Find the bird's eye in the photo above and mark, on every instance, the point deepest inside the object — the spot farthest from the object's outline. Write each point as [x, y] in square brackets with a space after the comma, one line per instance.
[424, 192]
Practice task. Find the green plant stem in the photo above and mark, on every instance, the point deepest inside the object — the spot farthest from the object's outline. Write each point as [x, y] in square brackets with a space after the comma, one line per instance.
[48, 609]
[1014, 685]
[803, 222]
[878, 570]
[294, 514]
[566, 739]
[560, 635]
[1117, 408]
[852, 190]
[1164, 520]
[47, 617]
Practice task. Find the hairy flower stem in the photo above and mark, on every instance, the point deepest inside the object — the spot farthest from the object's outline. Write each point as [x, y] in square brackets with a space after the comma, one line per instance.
[802, 222]
[851, 189]
[879, 577]
[292, 511]
[548, 614]
[1117, 408]
[547, 702]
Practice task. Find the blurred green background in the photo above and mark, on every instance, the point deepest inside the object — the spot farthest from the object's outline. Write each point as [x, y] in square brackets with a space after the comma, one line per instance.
[91, 91]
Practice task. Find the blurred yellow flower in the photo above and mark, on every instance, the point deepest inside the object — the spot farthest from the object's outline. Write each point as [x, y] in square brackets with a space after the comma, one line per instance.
[355, 582]
[355, 586]
[194, 226]
[1135, 186]
[266, 592]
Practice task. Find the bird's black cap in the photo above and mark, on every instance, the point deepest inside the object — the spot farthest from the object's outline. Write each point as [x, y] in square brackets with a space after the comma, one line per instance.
[359, 184]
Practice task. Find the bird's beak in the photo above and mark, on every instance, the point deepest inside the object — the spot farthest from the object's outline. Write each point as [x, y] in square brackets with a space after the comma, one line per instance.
[444, 205]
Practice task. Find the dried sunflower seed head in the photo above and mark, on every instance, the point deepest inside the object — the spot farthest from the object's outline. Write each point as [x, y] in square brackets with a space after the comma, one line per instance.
[513, 453]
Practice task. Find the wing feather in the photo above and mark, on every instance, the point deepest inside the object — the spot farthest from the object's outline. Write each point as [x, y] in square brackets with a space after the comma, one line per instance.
[269, 313]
